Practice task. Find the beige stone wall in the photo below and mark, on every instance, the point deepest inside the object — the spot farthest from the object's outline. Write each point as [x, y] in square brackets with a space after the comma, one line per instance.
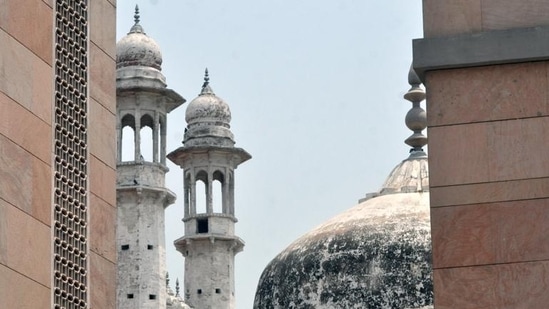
[25, 153]
[449, 17]
[489, 174]
[26, 93]
[102, 147]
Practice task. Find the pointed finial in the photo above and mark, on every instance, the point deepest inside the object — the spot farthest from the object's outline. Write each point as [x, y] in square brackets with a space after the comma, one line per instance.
[136, 16]
[136, 28]
[416, 118]
[413, 79]
[177, 287]
[167, 280]
[206, 78]
[206, 89]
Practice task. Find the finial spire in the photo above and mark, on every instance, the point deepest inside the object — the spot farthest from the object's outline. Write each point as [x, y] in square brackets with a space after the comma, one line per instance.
[416, 118]
[206, 89]
[167, 280]
[136, 16]
[177, 287]
[136, 28]
[206, 78]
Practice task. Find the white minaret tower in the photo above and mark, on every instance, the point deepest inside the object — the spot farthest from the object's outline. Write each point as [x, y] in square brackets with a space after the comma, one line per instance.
[142, 100]
[209, 158]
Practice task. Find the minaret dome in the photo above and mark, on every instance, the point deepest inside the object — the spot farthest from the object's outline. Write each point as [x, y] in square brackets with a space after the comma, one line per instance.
[208, 119]
[138, 59]
[137, 48]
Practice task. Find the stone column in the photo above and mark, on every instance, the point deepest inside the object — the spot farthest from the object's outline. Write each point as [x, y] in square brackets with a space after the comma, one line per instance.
[488, 128]
[209, 195]
[225, 192]
[187, 195]
[119, 136]
[155, 133]
[137, 136]
[193, 193]
[163, 140]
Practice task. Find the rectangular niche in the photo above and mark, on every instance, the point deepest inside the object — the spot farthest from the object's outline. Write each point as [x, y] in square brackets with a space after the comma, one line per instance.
[202, 225]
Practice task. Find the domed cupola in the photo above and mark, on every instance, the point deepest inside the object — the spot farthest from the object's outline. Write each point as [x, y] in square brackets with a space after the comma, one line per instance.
[208, 119]
[374, 255]
[138, 58]
[174, 300]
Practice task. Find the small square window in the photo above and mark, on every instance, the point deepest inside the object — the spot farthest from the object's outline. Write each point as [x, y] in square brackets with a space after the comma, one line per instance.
[152, 296]
[150, 247]
[130, 296]
[202, 225]
[125, 247]
[217, 291]
[199, 291]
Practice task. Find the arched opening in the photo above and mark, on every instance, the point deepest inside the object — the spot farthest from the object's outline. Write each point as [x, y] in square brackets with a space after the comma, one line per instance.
[201, 192]
[217, 192]
[128, 138]
[147, 143]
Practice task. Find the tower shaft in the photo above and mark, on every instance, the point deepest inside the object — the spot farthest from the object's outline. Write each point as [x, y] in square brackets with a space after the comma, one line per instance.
[208, 159]
[142, 105]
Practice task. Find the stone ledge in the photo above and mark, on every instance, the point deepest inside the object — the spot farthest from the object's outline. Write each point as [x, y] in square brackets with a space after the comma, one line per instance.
[478, 49]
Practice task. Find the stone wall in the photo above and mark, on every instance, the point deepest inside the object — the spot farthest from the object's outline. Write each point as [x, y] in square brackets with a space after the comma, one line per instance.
[26, 147]
[488, 145]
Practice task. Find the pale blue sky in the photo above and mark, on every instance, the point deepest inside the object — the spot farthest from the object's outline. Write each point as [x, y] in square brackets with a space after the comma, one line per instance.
[315, 89]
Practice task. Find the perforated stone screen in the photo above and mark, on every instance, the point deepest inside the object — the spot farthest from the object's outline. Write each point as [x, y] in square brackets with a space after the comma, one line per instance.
[70, 152]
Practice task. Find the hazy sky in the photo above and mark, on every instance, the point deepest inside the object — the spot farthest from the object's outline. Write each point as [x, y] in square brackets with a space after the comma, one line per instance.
[315, 88]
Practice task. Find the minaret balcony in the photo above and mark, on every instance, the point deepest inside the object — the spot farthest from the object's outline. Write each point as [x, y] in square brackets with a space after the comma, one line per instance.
[141, 173]
[186, 243]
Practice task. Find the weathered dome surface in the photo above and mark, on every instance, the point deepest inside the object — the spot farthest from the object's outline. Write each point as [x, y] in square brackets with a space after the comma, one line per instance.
[208, 107]
[208, 119]
[374, 255]
[138, 62]
[411, 175]
[138, 49]
[175, 302]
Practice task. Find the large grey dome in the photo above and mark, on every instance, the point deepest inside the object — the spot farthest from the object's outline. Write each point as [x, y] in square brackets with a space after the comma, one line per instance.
[374, 255]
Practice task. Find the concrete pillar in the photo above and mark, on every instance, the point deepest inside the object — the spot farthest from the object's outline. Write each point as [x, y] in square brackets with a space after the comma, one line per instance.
[155, 133]
[137, 135]
[488, 118]
[209, 195]
[163, 141]
[118, 140]
[225, 196]
[193, 193]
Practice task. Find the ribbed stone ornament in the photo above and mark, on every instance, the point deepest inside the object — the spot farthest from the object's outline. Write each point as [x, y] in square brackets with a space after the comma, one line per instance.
[416, 118]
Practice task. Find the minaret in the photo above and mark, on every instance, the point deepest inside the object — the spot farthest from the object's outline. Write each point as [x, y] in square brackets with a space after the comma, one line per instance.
[209, 246]
[142, 100]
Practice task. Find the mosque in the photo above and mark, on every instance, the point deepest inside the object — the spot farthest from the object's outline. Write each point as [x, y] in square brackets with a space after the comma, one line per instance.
[375, 255]
[469, 231]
